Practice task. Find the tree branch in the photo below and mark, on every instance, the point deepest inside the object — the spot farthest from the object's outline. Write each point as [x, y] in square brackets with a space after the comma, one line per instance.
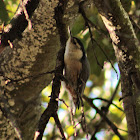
[105, 100]
[57, 121]
[92, 39]
[113, 126]
[53, 104]
[106, 108]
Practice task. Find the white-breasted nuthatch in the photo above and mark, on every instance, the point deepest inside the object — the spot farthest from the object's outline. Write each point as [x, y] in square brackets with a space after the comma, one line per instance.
[76, 69]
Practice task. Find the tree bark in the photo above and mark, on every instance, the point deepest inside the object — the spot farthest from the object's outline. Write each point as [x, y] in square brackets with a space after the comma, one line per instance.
[127, 51]
[34, 53]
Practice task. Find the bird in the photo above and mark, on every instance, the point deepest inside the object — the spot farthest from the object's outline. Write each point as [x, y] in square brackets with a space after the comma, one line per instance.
[76, 69]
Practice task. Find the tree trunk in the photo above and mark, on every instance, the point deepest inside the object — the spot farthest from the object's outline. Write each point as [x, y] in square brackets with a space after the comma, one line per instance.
[34, 53]
[127, 51]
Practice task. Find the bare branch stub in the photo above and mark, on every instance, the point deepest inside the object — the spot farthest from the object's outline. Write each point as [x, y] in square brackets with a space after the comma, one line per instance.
[57, 121]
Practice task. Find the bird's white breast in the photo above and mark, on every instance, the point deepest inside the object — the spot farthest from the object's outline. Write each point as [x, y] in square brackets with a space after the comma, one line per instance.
[72, 52]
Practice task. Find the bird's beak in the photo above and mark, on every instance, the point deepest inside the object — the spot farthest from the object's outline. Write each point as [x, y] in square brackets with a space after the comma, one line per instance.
[69, 31]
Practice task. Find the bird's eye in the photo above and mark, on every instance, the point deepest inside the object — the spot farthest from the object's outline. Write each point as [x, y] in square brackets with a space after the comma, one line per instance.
[74, 41]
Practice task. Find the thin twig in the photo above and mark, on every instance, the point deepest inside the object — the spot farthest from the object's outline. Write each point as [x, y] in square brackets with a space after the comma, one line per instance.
[97, 28]
[127, 95]
[113, 95]
[92, 39]
[136, 26]
[112, 125]
[9, 80]
[71, 115]
[57, 121]
[123, 130]
[26, 16]
[69, 109]
[106, 109]
[83, 122]
[86, 22]
[98, 98]
[105, 55]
